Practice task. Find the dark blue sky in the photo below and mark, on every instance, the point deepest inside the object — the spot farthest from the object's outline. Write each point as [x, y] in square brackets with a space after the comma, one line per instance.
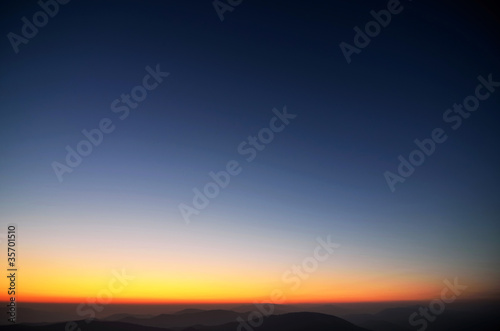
[323, 174]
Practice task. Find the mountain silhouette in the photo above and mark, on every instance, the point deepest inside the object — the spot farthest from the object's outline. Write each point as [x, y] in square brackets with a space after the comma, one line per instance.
[287, 322]
[95, 325]
[189, 311]
[117, 317]
[290, 322]
[186, 319]
[454, 318]
[397, 319]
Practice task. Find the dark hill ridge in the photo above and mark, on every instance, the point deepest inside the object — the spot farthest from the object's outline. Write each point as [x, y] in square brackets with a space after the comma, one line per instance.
[117, 317]
[186, 319]
[286, 322]
[393, 319]
[290, 322]
[397, 319]
[189, 311]
[276, 308]
[93, 326]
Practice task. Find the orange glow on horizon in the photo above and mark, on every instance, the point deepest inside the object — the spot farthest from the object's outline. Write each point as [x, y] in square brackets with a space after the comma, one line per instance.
[77, 277]
[344, 296]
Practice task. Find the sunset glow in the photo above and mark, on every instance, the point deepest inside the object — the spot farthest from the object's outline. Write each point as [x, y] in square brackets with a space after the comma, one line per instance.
[250, 165]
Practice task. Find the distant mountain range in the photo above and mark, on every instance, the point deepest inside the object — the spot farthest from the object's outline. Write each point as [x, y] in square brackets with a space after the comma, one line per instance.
[397, 319]
[286, 322]
[393, 319]
[186, 318]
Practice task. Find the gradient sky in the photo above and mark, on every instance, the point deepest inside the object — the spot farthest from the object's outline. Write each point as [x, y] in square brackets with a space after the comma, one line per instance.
[322, 175]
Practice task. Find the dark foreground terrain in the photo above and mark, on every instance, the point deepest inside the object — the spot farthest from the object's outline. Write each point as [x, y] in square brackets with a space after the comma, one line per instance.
[393, 319]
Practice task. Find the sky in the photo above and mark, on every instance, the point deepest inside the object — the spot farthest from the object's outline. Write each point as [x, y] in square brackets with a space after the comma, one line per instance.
[321, 176]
